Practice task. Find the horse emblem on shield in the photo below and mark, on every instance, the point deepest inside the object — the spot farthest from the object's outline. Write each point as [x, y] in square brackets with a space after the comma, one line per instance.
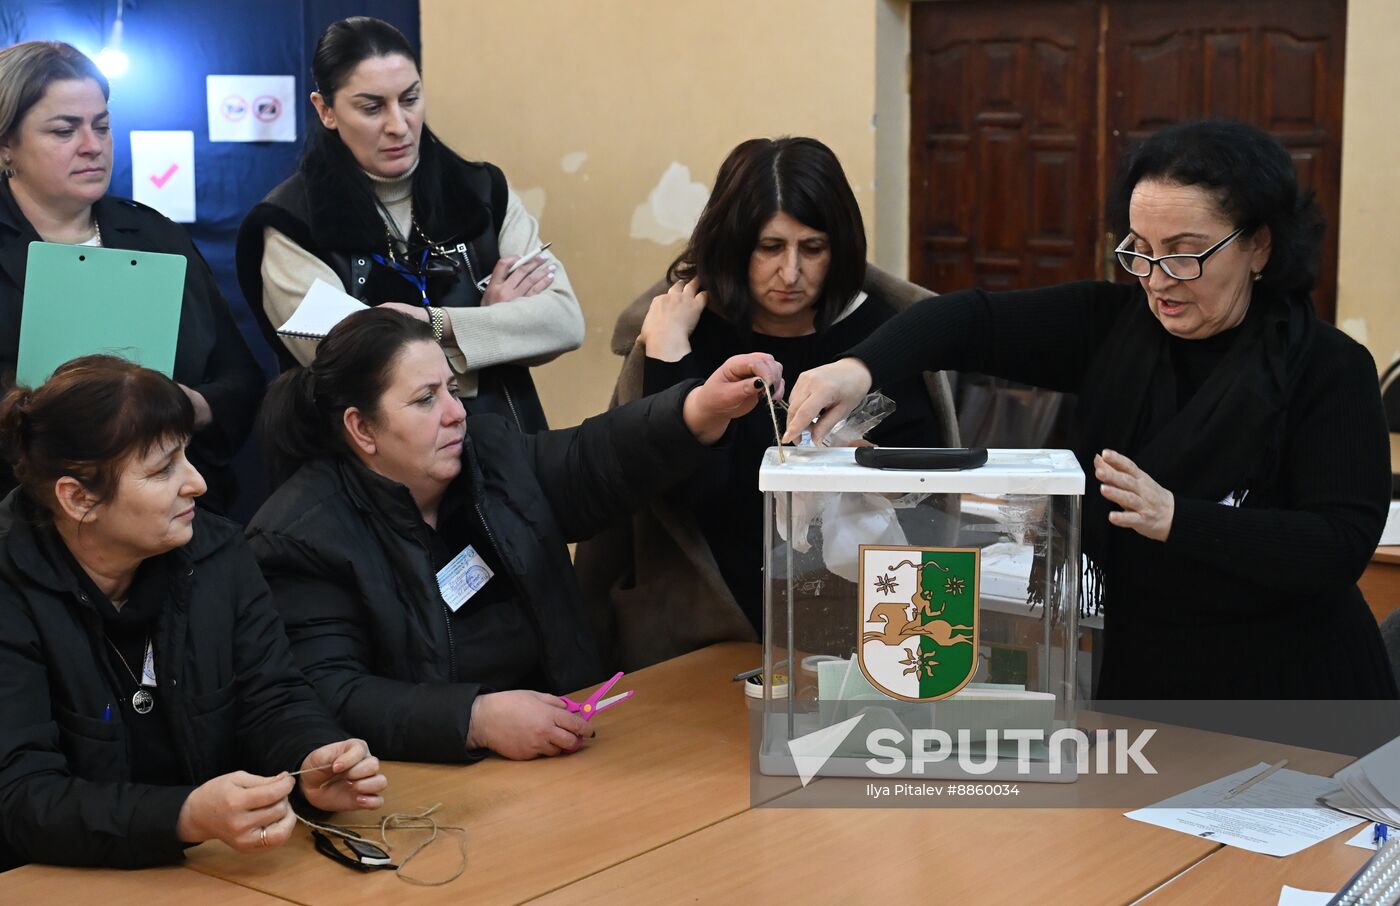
[918, 618]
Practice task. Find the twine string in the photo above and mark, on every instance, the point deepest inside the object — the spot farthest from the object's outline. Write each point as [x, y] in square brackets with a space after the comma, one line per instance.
[773, 414]
[422, 820]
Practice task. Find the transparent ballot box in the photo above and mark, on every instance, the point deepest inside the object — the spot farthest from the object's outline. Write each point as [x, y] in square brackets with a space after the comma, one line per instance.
[924, 622]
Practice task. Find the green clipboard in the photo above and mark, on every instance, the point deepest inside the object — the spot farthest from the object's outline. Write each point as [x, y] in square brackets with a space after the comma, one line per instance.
[80, 300]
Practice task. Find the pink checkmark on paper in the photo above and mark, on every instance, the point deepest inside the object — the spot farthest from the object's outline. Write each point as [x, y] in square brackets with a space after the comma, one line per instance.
[164, 178]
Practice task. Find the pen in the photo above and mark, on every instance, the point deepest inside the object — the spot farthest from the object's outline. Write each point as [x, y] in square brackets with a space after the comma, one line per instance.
[756, 671]
[1378, 835]
[107, 715]
[486, 281]
[1267, 772]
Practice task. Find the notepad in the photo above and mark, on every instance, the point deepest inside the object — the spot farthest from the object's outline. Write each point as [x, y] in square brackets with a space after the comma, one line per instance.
[80, 300]
[323, 307]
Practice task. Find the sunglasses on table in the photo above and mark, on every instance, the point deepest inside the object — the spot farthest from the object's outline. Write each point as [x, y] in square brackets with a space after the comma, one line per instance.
[350, 849]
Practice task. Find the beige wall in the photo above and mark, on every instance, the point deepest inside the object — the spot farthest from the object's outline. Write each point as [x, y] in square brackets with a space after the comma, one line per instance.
[586, 104]
[1368, 280]
[637, 85]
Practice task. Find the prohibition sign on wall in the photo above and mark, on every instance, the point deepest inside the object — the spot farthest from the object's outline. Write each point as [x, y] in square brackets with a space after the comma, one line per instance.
[267, 108]
[234, 108]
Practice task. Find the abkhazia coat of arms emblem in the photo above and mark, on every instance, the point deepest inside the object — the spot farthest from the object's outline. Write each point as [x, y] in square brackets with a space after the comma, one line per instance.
[918, 619]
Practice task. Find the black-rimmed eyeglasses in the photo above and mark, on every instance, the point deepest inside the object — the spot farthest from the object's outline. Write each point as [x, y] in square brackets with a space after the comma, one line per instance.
[1178, 267]
[362, 856]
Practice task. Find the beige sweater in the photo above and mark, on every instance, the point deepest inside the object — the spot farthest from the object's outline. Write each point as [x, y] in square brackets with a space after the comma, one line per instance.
[526, 331]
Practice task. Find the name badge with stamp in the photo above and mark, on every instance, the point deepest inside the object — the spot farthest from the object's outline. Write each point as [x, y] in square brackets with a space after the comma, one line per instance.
[463, 577]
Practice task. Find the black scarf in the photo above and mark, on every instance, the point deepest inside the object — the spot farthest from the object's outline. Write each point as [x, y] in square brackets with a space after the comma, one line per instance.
[344, 213]
[1222, 440]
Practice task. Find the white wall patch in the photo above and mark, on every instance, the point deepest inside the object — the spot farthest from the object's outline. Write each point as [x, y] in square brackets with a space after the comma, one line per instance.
[572, 161]
[671, 209]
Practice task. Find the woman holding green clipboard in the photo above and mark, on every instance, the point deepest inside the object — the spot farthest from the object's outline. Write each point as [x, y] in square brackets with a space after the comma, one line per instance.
[55, 169]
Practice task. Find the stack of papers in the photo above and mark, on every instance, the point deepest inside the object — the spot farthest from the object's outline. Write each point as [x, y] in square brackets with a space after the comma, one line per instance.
[1371, 786]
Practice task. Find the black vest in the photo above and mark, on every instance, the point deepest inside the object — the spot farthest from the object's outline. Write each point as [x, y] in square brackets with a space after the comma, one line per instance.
[331, 225]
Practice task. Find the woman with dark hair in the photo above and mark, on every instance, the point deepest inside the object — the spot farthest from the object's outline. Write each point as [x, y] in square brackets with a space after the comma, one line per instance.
[1235, 446]
[56, 152]
[419, 558]
[145, 673]
[385, 210]
[775, 264]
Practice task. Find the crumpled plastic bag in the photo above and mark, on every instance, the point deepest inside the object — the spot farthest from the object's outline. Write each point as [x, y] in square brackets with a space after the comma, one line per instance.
[848, 519]
[872, 410]
[863, 419]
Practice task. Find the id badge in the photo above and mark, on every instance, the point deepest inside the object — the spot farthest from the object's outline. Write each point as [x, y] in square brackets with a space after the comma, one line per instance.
[462, 577]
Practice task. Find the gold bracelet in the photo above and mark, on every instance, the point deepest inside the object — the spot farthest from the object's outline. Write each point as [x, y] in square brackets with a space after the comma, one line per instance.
[436, 316]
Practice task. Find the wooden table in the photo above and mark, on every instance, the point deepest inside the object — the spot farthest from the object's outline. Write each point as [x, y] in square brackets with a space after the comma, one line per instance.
[933, 855]
[658, 808]
[946, 854]
[41, 884]
[672, 760]
[1242, 877]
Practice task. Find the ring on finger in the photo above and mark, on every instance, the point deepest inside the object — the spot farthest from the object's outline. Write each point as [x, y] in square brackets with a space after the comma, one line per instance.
[262, 836]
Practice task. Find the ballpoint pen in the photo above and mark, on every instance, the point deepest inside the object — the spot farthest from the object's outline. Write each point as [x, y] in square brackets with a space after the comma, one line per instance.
[486, 281]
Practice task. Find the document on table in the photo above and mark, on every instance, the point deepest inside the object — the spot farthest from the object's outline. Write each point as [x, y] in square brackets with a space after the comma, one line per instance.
[1365, 837]
[1293, 896]
[1278, 816]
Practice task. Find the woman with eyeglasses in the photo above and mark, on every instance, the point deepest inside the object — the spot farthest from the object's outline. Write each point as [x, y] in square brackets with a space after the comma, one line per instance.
[381, 208]
[148, 696]
[1235, 446]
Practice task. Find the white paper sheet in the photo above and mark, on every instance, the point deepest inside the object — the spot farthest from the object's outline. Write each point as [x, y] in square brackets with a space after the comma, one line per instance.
[252, 108]
[1362, 839]
[162, 172]
[1270, 817]
[1293, 896]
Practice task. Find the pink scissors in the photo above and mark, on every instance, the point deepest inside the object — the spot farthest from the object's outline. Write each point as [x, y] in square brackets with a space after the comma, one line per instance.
[593, 705]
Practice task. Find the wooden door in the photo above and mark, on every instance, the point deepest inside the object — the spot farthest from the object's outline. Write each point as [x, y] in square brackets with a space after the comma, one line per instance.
[1021, 110]
[1277, 65]
[1002, 171]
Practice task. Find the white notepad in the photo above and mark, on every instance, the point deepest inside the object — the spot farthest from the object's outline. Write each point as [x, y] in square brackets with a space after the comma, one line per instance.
[323, 307]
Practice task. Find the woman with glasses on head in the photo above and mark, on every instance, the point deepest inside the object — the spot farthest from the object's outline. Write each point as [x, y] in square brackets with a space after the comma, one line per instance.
[381, 208]
[1235, 446]
[55, 170]
[148, 699]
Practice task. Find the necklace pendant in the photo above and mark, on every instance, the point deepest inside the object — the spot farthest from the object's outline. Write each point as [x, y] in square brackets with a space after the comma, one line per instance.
[142, 702]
